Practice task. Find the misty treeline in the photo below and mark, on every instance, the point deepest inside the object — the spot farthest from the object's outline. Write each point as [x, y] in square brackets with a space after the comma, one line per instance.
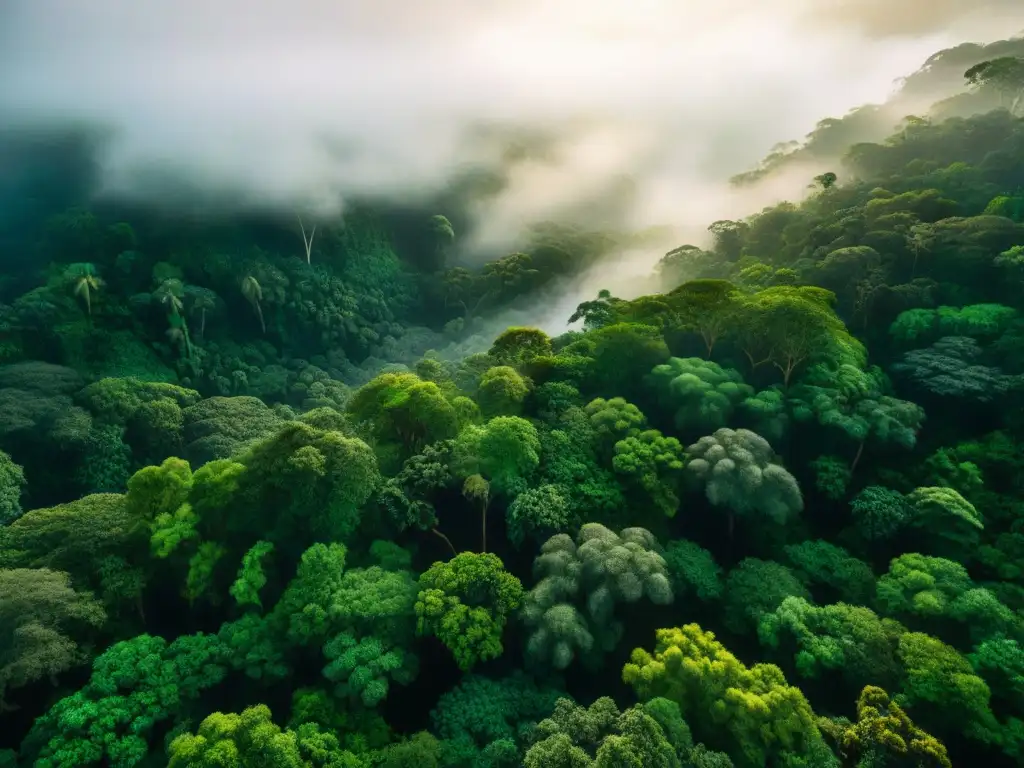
[270, 496]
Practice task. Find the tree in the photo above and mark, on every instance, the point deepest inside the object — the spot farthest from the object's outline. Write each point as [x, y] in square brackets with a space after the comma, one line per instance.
[202, 301]
[253, 293]
[1005, 75]
[252, 738]
[739, 472]
[700, 393]
[481, 716]
[12, 485]
[793, 326]
[404, 407]
[39, 615]
[84, 282]
[884, 735]
[750, 713]
[465, 603]
[501, 392]
[840, 641]
[857, 403]
[307, 240]
[825, 181]
[655, 463]
[707, 307]
[517, 345]
[504, 451]
[600, 735]
[570, 610]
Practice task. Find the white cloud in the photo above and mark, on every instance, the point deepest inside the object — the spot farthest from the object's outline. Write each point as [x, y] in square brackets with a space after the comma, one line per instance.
[254, 100]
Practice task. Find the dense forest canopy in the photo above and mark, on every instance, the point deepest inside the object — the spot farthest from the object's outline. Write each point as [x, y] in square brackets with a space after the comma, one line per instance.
[281, 487]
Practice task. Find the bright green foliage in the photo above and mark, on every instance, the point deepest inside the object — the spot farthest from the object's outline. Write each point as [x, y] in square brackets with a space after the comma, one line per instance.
[40, 614]
[855, 402]
[831, 476]
[768, 411]
[939, 594]
[159, 490]
[251, 578]
[884, 736]
[364, 668]
[919, 586]
[465, 603]
[619, 356]
[517, 345]
[984, 616]
[738, 471]
[750, 713]
[614, 420]
[309, 484]
[830, 572]
[538, 513]
[947, 469]
[693, 570]
[879, 513]
[794, 326]
[757, 587]
[570, 460]
[599, 735]
[976, 320]
[846, 640]
[942, 689]
[304, 608]
[501, 392]
[946, 519]
[12, 484]
[504, 451]
[251, 738]
[135, 685]
[375, 601]
[404, 408]
[655, 463]
[597, 570]
[701, 394]
[1000, 663]
[481, 718]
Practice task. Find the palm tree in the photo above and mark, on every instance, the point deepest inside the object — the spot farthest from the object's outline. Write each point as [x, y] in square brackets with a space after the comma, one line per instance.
[203, 300]
[84, 281]
[171, 294]
[477, 490]
[253, 294]
[307, 240]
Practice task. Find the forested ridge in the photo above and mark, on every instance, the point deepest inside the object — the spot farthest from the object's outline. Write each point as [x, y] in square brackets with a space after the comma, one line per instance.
[273, 494]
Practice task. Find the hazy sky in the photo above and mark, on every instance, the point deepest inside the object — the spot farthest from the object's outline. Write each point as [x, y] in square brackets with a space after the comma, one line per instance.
[240, 96]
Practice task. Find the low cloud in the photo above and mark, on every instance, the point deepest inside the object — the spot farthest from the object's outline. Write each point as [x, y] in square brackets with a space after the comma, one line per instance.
[642, 108]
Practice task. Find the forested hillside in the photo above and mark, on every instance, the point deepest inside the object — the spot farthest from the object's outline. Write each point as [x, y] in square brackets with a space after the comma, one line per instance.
[272, 494]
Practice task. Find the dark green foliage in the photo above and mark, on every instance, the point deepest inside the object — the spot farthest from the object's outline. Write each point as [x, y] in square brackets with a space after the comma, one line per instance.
[263, 462]
[481, 716]
[597, 570]
[12, 485]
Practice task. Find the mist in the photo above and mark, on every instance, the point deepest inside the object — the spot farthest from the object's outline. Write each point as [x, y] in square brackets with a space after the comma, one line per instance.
[644, 107]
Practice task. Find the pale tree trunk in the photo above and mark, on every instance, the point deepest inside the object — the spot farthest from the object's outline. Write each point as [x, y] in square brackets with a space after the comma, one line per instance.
[307, 240]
